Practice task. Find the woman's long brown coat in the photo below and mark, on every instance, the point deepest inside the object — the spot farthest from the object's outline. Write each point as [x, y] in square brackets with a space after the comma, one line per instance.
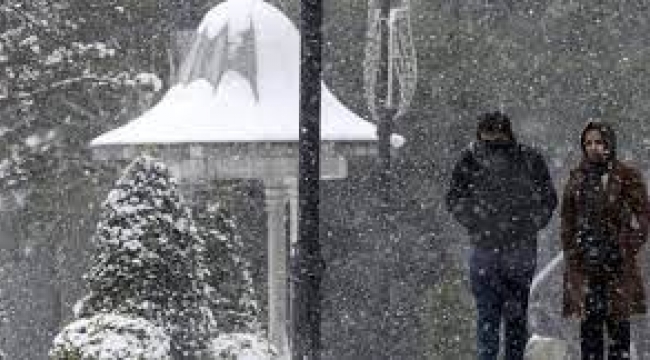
[626, 212]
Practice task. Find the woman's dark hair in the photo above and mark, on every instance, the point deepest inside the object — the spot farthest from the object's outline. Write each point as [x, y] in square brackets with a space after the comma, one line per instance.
[606, 131]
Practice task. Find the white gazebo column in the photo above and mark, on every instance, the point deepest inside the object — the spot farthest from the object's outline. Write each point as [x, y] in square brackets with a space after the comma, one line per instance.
[292, 190]
[291, 185]
[276, 199]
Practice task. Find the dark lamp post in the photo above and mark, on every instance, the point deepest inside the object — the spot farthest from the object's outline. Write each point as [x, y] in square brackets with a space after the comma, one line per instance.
[309, 263]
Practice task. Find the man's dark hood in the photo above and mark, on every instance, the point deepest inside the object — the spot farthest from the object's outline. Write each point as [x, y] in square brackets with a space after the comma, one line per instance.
[609, 136]
[494, 121]
[495, 154]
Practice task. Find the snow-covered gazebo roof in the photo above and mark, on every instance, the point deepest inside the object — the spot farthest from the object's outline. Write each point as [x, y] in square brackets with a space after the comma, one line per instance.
[238, 89]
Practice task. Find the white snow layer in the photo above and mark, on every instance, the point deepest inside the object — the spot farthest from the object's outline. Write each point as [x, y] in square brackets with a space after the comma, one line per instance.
[198, 111]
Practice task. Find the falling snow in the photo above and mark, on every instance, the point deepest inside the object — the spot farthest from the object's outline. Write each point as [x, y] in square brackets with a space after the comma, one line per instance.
[77, 76]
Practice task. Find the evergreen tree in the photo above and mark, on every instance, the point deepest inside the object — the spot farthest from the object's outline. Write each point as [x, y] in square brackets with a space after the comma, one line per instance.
[149, 259]
[233, 303]
[69, 71]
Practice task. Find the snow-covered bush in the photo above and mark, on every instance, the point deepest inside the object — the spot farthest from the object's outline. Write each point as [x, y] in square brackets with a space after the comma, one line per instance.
[111, 337]
[241, 346]
[149, 261]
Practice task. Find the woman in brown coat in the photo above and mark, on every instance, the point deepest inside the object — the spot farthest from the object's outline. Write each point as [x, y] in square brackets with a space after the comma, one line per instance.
[604, 223]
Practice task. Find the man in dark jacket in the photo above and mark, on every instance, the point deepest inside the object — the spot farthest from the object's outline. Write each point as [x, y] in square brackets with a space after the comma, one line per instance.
[502, 193]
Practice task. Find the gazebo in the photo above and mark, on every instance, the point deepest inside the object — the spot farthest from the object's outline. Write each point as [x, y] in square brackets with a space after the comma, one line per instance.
[234, 114]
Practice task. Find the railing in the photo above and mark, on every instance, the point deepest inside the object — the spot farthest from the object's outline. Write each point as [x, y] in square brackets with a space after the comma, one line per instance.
[547, 348]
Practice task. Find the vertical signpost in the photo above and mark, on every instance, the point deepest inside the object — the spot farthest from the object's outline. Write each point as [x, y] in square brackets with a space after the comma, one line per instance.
[385, 110]
[309, 264]
[390, 80]
[385, 113]
[377, 87]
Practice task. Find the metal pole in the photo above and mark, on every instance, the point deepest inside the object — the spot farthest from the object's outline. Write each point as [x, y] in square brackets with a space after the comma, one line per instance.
[309, 262]
[385, 123]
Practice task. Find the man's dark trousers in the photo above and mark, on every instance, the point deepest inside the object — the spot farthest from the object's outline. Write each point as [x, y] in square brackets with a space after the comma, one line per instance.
[500, 281]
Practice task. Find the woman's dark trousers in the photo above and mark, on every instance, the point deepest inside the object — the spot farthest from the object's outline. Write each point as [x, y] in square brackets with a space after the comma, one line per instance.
[500, 283]
[596, 321]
